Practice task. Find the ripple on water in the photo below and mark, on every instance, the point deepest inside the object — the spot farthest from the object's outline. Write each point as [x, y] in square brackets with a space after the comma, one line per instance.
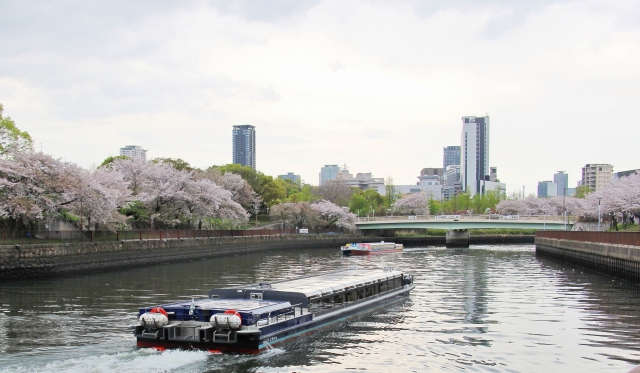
[486, 308]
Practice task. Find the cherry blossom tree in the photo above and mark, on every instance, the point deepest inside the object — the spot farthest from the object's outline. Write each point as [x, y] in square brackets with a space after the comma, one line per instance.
[334, 214]
[36, 185]
[296, 214]
[170, 195]
[98, 198]
[413, 204]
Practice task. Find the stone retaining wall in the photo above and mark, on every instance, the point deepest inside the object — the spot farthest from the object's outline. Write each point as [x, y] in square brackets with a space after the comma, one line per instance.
[620, 260]
[40, 260]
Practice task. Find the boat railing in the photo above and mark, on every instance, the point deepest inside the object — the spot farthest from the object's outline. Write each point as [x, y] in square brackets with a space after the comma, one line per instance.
[344, 305]
[296, 310]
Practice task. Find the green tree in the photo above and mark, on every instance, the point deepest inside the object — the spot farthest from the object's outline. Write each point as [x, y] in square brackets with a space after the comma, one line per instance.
[177, 163]
[108, 162]
[273, 191]
[306, 194]
[358, 204]
[11, 138]
[435, 206]
[291, 186]
[255, 178]
[390, 189]
[582, 191]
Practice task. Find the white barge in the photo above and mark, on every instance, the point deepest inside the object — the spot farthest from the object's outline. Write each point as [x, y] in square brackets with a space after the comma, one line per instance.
[252, 318]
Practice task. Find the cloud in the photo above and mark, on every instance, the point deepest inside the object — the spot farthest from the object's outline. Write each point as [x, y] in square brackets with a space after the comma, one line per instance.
[264, 11]
[336, 66]
[86, 78]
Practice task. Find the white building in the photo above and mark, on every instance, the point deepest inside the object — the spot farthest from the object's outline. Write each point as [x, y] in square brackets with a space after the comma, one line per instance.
[474, 153]
[134, 151]
[596, 176]
[365, 181]
[428, 184]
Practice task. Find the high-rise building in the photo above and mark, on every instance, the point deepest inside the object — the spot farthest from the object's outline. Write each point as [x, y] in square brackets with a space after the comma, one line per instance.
[450, 156]
[328, 172]
[134, 151]
[562, 179]
[596, 176]
[474, 154]
[547, 189]
[244, 145]
[290, 176]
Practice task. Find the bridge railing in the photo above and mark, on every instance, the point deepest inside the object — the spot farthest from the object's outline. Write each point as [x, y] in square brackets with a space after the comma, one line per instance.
[466, 217]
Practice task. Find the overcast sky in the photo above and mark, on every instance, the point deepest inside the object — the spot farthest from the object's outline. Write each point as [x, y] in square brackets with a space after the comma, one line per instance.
[378, 85]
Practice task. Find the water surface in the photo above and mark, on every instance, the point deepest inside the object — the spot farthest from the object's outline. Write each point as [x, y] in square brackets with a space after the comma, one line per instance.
[483, 309]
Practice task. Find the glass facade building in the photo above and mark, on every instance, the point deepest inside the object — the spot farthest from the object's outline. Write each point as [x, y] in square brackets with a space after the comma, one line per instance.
[244, 145]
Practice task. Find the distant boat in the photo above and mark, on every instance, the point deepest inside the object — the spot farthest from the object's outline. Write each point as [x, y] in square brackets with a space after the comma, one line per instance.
[371, 248]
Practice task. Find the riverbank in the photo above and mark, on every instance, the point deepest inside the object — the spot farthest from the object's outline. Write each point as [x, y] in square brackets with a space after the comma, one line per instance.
[617, 253]
[42, 260]
[496, 239]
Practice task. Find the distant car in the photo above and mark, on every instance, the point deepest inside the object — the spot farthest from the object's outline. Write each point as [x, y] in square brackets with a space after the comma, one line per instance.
[331, 232]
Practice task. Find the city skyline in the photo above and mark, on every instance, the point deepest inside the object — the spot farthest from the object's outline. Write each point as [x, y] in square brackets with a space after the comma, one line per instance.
[83, 79]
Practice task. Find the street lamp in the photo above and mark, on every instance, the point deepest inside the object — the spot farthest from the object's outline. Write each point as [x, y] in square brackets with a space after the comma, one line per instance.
[599, 198]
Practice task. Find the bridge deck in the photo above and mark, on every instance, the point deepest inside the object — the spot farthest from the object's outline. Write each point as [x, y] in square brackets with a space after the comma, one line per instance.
[466, 222]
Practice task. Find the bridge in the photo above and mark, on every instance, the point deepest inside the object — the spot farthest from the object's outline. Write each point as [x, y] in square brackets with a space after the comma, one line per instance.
[457, 226]
[545, 222]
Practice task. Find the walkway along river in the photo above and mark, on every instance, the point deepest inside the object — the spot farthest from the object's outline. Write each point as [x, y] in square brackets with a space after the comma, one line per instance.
[482, 309]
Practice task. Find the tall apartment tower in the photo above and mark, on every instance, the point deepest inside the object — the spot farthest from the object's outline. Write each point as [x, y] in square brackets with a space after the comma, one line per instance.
[450, 156]
[474, 153]
[134, 151]
[329, 172]
[562, 179]
[596, 176]
[244, 145]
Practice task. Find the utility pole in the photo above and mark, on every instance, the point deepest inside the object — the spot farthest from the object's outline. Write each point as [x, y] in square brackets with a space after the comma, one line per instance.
[523, 192]
[564, 209]
[599, 198]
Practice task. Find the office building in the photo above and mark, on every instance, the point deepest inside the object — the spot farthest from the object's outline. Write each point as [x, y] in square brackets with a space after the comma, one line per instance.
[244, 145]
[452, 185]
[451, 156]
[290, 176]
[625, 173]
[547, 189]
[430, 183]
[596, 176]
[328, 172]
[134, 151]
[474, 153]
[562, 180]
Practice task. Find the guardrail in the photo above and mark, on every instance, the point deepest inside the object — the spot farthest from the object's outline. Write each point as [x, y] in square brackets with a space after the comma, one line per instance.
[614, 238]
[550, 218]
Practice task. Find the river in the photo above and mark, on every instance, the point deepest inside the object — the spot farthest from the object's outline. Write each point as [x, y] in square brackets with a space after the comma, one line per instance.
[482, 309]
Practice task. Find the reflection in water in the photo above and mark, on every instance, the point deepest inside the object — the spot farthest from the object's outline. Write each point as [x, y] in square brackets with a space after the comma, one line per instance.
[480, 309]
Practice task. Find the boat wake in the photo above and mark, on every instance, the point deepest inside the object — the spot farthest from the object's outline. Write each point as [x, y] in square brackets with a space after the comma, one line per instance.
[143, 360]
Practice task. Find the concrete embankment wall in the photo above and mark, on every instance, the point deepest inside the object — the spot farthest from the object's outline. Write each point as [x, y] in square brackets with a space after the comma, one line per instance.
[619, 260]
[473, 240]
[41, 260]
